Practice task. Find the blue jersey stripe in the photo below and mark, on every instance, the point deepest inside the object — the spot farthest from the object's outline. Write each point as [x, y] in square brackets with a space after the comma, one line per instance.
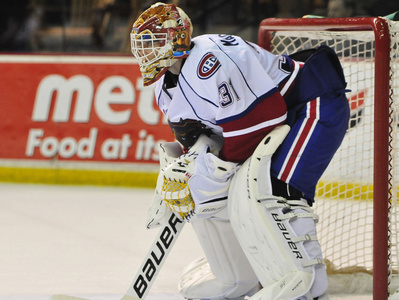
[188, 84]
[192, 107]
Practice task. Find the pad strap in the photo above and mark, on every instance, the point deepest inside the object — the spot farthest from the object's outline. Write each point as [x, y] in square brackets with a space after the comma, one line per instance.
[289, 207]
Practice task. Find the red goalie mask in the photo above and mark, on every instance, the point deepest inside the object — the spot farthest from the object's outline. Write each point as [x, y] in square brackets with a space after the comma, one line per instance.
[160, 36]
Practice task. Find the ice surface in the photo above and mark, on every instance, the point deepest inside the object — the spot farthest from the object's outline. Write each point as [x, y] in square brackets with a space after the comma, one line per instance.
[82, 241]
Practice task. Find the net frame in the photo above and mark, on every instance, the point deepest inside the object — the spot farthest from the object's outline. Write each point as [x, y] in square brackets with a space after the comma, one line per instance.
[383, 37]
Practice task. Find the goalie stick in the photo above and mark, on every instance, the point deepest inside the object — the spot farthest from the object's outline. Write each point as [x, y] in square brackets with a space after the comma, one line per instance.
[152, 263]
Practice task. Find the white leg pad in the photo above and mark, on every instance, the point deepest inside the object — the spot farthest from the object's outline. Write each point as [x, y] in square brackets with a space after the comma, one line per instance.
[278, 236]
[225, 273]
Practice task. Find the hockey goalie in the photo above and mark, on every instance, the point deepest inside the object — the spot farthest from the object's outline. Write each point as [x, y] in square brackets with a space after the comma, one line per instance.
[254, 133]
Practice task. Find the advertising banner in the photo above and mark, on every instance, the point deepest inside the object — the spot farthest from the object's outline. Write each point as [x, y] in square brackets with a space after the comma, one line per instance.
[79, 110]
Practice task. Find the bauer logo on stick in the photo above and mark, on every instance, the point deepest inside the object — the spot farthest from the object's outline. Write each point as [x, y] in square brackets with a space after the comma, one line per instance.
[154, 261]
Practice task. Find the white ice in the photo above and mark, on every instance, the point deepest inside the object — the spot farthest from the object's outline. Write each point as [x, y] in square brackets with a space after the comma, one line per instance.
[82, 241]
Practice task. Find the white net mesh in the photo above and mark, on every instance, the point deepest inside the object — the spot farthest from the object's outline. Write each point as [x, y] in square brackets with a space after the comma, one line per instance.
[344, 196]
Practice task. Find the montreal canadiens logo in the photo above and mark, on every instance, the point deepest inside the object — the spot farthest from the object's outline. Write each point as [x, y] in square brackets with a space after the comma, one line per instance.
[208, 65]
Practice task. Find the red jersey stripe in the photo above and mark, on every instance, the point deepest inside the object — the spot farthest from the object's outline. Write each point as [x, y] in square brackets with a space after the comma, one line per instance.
[301, 141]
[268, 109]
[239, 148]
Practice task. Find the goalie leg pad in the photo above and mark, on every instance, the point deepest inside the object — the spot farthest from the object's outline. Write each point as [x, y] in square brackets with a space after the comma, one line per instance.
[278, 236]
[225, 273]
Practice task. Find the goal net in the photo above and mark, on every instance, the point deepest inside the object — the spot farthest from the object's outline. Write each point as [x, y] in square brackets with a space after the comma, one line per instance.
[357, 197]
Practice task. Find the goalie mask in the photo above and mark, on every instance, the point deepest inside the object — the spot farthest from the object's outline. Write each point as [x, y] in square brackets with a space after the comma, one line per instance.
[160, 36]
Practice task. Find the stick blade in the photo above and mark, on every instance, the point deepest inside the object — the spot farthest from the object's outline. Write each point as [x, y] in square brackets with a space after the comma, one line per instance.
[66, 297]
[127, 297]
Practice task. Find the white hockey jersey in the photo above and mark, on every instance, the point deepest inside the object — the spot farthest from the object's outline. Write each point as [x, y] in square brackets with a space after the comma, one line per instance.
[230, 86]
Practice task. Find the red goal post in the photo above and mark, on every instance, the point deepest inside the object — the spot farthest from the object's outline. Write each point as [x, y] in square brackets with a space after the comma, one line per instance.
[368, 50]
